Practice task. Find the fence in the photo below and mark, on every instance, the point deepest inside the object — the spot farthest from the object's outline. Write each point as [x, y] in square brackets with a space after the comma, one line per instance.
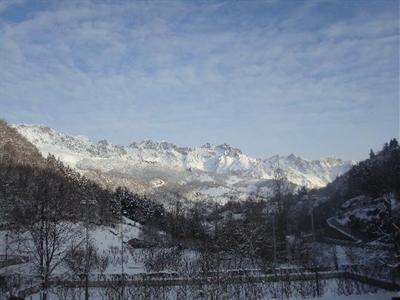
[10, 260]
[163, 279]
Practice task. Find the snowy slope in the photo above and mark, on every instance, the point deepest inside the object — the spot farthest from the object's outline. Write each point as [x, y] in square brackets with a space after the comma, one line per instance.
[142, 160]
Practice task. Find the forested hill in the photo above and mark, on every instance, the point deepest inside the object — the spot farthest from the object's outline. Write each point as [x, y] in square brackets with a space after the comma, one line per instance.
[366, 198]
[15, 147]
[375, 176]
[28, 182]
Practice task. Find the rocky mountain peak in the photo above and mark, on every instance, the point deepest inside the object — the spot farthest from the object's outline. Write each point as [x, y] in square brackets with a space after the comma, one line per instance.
[222, 159]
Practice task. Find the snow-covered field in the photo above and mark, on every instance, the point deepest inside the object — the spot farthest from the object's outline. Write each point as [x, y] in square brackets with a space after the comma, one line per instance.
[107, 241]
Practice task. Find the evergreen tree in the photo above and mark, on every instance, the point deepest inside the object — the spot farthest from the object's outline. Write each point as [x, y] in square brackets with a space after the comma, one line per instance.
[371, 154]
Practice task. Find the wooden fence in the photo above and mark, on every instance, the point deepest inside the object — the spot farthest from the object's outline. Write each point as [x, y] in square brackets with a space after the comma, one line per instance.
[158, 282]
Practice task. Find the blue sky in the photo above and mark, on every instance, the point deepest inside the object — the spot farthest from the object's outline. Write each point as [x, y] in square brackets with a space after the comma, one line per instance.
[314, 78]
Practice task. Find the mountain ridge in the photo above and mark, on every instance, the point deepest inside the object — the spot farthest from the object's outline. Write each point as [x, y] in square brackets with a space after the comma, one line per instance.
[80, 153]
[149, 143]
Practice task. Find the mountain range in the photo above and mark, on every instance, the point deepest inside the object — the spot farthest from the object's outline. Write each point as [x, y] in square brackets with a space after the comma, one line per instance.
[208, 172]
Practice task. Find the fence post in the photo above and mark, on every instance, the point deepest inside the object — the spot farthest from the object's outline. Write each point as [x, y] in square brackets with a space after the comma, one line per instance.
[393, 276]
[317, 281]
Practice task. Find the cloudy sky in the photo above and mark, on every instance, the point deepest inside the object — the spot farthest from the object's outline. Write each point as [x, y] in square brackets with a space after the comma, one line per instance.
[314, 78]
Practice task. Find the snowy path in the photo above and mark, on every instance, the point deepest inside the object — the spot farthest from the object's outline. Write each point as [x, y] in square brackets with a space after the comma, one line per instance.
[342, 229]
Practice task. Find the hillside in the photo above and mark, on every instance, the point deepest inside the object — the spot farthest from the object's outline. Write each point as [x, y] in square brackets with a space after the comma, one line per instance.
[14, 146]
[30, 182]
[365, 200]
[27, 179]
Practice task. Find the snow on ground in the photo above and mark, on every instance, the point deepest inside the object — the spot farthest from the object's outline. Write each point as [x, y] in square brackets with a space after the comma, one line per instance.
[377, 296]
[216, 191]
[347, 255]
[251, 188]
[106, 239]
[202, 177]
[157, 183]
[231, 180]
[365, 214]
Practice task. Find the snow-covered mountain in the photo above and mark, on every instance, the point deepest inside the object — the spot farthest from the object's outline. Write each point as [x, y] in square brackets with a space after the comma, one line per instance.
[153, 162]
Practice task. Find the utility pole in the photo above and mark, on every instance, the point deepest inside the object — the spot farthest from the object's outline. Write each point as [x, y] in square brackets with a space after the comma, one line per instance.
[274, 236]
[312, 220]
[122, 251]
[312, 224]
[87, 258]
[6, 250]
[87, 252]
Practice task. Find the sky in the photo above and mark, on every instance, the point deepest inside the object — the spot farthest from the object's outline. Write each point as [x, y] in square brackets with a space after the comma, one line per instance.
[313, 78]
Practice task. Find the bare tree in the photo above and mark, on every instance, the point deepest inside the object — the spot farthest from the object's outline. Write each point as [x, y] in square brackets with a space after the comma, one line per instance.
[280, 182]
[77, 256]
[43, 227]
[280, 209]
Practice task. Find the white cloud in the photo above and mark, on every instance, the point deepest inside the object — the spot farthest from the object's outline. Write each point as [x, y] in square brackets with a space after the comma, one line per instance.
[5, 4]
[183, 64]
